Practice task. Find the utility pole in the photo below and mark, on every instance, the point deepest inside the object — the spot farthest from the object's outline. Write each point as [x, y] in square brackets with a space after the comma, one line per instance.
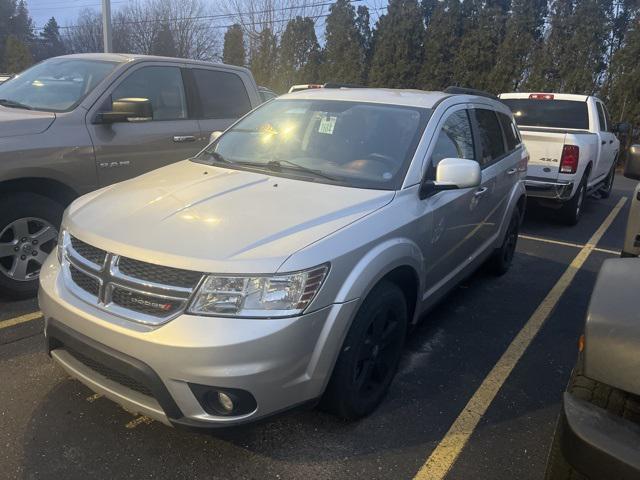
[106, 26]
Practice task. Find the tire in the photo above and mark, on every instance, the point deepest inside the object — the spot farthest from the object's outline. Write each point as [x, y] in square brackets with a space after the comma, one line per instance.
[29, 226]
[370, 354]
[605, 191]
[571, 211]
[502, 258]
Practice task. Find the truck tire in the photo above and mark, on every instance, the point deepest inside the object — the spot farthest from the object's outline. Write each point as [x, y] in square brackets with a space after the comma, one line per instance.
[370, 354]
[571, 211]
[616, 402]
[29, 226]
[501, 260]
[607, 186]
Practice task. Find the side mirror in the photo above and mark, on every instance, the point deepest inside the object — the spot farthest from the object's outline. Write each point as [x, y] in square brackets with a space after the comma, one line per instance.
[622, 128]
[632, 168]
[452, 174]
[127, 110]
[214, 136]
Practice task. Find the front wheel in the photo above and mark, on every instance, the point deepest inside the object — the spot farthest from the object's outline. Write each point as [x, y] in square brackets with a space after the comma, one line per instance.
[28, 233]
[605, 190]
[370, 354]
[502, 258]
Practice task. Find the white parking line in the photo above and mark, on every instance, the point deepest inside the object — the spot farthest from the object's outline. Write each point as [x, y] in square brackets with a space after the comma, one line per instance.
[566, 244]
[445, 454]
[21, 319]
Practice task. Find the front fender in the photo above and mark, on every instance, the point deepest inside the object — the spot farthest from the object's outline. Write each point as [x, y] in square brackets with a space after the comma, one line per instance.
[612, 331]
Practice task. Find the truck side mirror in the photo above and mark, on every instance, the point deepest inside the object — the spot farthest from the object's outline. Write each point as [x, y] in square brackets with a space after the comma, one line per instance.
[622, 128]
[452, 174]
[632, 168]
[127, 110]
[214, 136]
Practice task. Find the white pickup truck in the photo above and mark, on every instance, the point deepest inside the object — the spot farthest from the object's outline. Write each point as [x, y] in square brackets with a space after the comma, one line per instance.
[572, 148]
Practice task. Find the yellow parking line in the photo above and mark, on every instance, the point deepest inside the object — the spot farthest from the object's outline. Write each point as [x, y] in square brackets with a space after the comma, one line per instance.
[138, 421]
[94, 397]
[21, 319]
[566, 244]
[445, 454]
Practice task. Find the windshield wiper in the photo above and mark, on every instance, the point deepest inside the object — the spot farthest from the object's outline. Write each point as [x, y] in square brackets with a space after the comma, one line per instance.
[218, 157]
[294, 166]
[12, 104]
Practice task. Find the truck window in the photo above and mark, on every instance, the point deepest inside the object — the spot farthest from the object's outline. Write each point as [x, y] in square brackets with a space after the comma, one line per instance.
[549, 113]
[601, 118]
[607, 118]
[490, 133]
[162, 86]
[222, 94]
[454, 141]
[509, 131]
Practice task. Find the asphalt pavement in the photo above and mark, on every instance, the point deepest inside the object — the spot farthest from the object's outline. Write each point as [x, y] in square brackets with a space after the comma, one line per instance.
[52, 427]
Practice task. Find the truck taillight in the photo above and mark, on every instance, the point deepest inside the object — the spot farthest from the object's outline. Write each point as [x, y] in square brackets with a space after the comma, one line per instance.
[541, 96]
[569, 159]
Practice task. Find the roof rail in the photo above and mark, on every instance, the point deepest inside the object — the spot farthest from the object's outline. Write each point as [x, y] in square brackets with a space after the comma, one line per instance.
[469, 91]
[341, 85]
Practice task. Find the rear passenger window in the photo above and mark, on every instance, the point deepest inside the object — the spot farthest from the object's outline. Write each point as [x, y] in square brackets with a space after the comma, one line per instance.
[510, 133]
[601, 117]
[454, 140]
[607, 118]
[222, 94]
[490, 134]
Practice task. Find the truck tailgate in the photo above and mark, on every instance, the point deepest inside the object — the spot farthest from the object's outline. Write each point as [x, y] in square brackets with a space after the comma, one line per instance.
[545, 150]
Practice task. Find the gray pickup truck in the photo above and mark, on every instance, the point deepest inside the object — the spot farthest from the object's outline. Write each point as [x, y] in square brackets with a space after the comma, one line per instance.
[75, 123]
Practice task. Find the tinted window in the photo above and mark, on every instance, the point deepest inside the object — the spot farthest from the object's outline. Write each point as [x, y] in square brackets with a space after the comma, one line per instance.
[510, 132]
[607, 118]
[454, 140]
[490, 134]
[549, 113]
[162, 86]
[601, 120]
[223, 94]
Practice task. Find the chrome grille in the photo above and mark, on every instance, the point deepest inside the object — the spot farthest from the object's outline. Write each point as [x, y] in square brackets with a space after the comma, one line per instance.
[137, 290]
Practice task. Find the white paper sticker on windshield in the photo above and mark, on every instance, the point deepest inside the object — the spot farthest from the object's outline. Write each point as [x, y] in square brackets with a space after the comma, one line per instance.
[327, 124]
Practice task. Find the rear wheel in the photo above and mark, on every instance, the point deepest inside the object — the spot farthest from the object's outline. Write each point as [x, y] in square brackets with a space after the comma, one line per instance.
[572, 210]
[370, 354]
[28, 233]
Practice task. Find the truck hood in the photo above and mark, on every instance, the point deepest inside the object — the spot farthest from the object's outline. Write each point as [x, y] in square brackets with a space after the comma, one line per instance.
[199, 217]
[15, 121]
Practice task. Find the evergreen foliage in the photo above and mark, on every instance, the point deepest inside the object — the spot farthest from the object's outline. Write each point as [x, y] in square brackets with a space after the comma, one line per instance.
[233, 50]
[299, 54]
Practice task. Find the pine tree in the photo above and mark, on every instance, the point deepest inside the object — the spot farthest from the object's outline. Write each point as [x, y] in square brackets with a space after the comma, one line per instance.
[163, 43]
[264, 58]
[17, 56]
[50, 42]
[299, 54]
[233, 50]
[397, 46]
[523, 37]
[363, 25]
[343, 54]
[21, 25]
[442, 38]
[7, 9]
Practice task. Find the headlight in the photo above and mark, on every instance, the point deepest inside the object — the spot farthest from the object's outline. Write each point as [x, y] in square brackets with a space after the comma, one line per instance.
[258, 296]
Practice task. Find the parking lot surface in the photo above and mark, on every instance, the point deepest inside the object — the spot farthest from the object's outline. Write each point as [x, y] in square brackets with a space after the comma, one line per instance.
[53, 427]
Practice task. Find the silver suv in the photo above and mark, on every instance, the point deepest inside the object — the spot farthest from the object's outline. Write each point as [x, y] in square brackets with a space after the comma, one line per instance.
[284, 264]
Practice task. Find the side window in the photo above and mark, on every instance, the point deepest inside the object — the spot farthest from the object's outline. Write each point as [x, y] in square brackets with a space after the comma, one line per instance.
[490, 134]
[510, 132]
[455, 140]
[223, 94]
[607, 118]
[162, 86]
[601, 117]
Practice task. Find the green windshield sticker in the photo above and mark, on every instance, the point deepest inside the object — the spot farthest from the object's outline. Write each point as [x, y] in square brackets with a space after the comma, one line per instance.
[327, 124]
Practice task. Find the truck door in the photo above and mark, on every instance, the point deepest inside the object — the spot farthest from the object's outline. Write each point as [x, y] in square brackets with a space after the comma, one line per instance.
[608, 144]
[124, 150]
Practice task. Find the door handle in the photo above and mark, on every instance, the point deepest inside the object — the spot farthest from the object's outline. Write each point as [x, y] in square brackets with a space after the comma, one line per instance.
[603, 142]
[481, 191]
[610, 141]
[511, 171]
[184, 138]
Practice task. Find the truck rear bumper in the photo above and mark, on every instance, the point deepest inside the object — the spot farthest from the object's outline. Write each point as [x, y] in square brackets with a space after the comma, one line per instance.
[598, 443]
[549, 190]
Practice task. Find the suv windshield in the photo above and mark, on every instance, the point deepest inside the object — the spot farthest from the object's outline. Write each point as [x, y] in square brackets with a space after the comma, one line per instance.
[55, 85]
[549, 113]
[357, 144]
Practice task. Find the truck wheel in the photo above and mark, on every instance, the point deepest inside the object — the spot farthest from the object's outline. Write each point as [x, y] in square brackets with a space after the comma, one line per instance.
[28, 233]
[605, 191]
[572, 210]
[502, 258]
[370, 354]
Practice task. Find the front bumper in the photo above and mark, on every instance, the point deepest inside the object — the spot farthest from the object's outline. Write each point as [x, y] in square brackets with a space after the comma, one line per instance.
[598, 443]
[281, 363]
[549, 190]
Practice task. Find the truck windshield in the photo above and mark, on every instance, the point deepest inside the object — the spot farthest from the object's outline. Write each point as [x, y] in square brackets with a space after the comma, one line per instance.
[55, 85]
[549, 113]
[356, 144]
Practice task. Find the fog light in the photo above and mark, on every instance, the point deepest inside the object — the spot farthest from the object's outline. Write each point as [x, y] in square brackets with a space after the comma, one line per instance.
[225, 401]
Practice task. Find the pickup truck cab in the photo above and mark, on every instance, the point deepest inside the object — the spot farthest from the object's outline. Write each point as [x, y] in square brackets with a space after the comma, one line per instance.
[572, 146]
[75, 123]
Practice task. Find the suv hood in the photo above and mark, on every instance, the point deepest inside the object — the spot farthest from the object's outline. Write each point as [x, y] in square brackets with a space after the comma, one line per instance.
[199, 217]
[16, 121]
